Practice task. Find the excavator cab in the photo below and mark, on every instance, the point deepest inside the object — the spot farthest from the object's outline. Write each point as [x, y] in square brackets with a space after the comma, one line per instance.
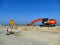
[48, 22]
[44, 20]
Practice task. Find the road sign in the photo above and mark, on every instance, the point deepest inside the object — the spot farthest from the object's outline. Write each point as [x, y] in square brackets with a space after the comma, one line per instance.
[11, 23]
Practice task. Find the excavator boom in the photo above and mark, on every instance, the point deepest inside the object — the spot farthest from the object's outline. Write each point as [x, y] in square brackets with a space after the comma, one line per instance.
[37, 20]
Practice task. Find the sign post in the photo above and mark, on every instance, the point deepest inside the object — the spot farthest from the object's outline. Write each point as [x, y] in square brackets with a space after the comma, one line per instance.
[11, 24]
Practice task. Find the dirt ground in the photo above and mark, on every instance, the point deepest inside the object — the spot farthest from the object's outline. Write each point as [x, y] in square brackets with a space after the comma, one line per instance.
[29, 38]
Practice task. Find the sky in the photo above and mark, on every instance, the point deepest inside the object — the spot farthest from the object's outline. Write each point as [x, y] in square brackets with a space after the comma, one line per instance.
[24, 11]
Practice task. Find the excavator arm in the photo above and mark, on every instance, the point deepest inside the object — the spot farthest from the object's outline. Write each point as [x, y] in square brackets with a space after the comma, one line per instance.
[34, 21]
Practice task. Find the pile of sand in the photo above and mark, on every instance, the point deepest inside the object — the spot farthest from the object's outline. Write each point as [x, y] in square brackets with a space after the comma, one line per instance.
[33, 28]
[38, 28]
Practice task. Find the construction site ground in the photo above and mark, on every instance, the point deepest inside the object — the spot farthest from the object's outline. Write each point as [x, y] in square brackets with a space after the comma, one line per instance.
[30, 38]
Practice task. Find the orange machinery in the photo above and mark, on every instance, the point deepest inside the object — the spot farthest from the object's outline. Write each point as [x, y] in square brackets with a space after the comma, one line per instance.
[45, 22]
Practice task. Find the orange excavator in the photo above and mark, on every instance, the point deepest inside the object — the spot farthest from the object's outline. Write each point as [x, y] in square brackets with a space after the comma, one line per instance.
[45, 22]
